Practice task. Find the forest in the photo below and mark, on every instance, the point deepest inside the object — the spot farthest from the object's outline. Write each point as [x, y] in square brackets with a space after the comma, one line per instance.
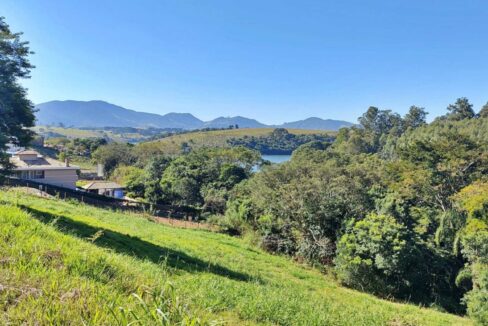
[278, 142]
[395, 206]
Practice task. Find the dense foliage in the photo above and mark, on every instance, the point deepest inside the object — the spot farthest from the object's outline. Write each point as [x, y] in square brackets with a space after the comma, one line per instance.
[396, 206]
[75, 148]
[201, 178]
[16, 111]
[278, 142]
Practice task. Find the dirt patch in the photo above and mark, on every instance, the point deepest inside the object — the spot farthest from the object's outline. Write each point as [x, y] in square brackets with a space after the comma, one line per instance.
[183, 223]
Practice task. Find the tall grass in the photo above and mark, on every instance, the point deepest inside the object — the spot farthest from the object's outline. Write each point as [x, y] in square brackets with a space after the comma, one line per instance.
[64, 262]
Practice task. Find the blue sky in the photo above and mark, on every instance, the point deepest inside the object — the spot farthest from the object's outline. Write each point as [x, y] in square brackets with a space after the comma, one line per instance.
[271, 60]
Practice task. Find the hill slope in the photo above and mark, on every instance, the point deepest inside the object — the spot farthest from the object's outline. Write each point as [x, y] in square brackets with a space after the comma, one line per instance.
[65, 262]
[213, 138]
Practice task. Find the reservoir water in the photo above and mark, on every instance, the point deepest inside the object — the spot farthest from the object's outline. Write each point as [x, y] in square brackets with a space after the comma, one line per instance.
[276, 158]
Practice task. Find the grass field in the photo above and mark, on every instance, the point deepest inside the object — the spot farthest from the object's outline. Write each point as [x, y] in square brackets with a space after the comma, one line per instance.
[82, 133]
[62, 261]
[214, 138]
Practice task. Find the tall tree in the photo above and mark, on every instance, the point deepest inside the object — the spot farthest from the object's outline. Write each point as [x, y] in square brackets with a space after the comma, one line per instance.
[415, 117]
[379, 121]
[16, 111]
[484, 111]
[460, 110]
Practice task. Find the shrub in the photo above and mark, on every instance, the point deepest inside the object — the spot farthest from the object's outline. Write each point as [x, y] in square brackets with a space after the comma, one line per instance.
[475, 249]
[235, 220]
[374, 255]
[317, 248]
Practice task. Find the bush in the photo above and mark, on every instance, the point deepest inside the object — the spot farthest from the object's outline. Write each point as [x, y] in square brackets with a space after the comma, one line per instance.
[235, 220]
[478, 306]
[283, 241]
[317, 248]
[475, 249]
[374, 255]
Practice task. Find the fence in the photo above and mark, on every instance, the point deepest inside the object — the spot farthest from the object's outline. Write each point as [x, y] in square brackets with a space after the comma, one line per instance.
[171, 211]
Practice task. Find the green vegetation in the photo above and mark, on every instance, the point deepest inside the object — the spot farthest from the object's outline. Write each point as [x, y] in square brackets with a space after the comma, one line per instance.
[397, 207]
[381, 207]
[279, 141]
[173, 145]
[121, 135]
[16, 111]
[201, 178]
[63, 262]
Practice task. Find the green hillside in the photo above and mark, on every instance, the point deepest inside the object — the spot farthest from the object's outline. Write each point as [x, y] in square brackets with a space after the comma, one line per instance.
[62, 261]
[213, 138]
[52, 132]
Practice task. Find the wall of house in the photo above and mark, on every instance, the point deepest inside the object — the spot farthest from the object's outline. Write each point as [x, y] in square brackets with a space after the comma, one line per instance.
[62, 178]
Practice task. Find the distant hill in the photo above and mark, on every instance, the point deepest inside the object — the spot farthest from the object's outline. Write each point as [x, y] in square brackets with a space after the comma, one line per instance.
[242, 122]
[99, 114]
[103, 114]
[317, 124]
[214, 138]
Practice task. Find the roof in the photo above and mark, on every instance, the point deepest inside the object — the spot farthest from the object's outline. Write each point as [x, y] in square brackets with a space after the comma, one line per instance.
[40, 163]
[95, 185]
[27, 152]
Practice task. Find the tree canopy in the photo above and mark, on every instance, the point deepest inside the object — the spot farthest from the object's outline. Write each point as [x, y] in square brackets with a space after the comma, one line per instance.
[16, 111]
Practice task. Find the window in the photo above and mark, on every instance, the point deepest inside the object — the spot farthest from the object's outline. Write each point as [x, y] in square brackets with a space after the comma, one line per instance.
[38, 174]
[28, 175]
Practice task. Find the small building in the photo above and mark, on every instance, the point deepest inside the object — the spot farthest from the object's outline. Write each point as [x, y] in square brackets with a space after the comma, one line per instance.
[105, 188]
[30, 165]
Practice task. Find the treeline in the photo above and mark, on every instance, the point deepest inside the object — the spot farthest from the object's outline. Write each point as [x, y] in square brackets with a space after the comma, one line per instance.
[76, 147]
[278, 142]
[395, 207]
[175, 132]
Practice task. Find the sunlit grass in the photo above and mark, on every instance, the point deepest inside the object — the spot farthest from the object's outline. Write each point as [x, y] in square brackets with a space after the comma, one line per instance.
[63, 261]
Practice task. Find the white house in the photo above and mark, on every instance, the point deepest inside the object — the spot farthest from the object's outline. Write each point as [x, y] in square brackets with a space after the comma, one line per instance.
[105, 188]
[30, 165]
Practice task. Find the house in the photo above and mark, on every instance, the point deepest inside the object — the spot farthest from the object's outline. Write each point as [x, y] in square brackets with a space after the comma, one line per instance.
[30, 165]
[105, 188]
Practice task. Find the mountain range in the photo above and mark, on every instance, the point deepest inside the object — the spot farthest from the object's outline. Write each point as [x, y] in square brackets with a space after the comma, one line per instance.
[102, 114]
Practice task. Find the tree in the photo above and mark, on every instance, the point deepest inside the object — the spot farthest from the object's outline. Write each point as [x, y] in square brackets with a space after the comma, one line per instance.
[379, 121]
[484, 111]
[375, 254]
[378, 126]
[154, 171]
[16, 111]
[113, 155]
[415, 117]
[132, 178]
[473, 199]
[460, 110]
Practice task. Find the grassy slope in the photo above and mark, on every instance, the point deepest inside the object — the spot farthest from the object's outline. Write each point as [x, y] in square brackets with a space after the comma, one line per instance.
[66, 261]
[214, 138]
[82, 133]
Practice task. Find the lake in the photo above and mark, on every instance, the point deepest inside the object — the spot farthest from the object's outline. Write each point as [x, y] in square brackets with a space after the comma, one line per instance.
[276, 158]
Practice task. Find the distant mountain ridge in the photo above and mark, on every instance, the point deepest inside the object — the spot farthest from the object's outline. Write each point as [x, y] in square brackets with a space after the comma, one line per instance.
[317, 123]
[103, 114]
[242, 122]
